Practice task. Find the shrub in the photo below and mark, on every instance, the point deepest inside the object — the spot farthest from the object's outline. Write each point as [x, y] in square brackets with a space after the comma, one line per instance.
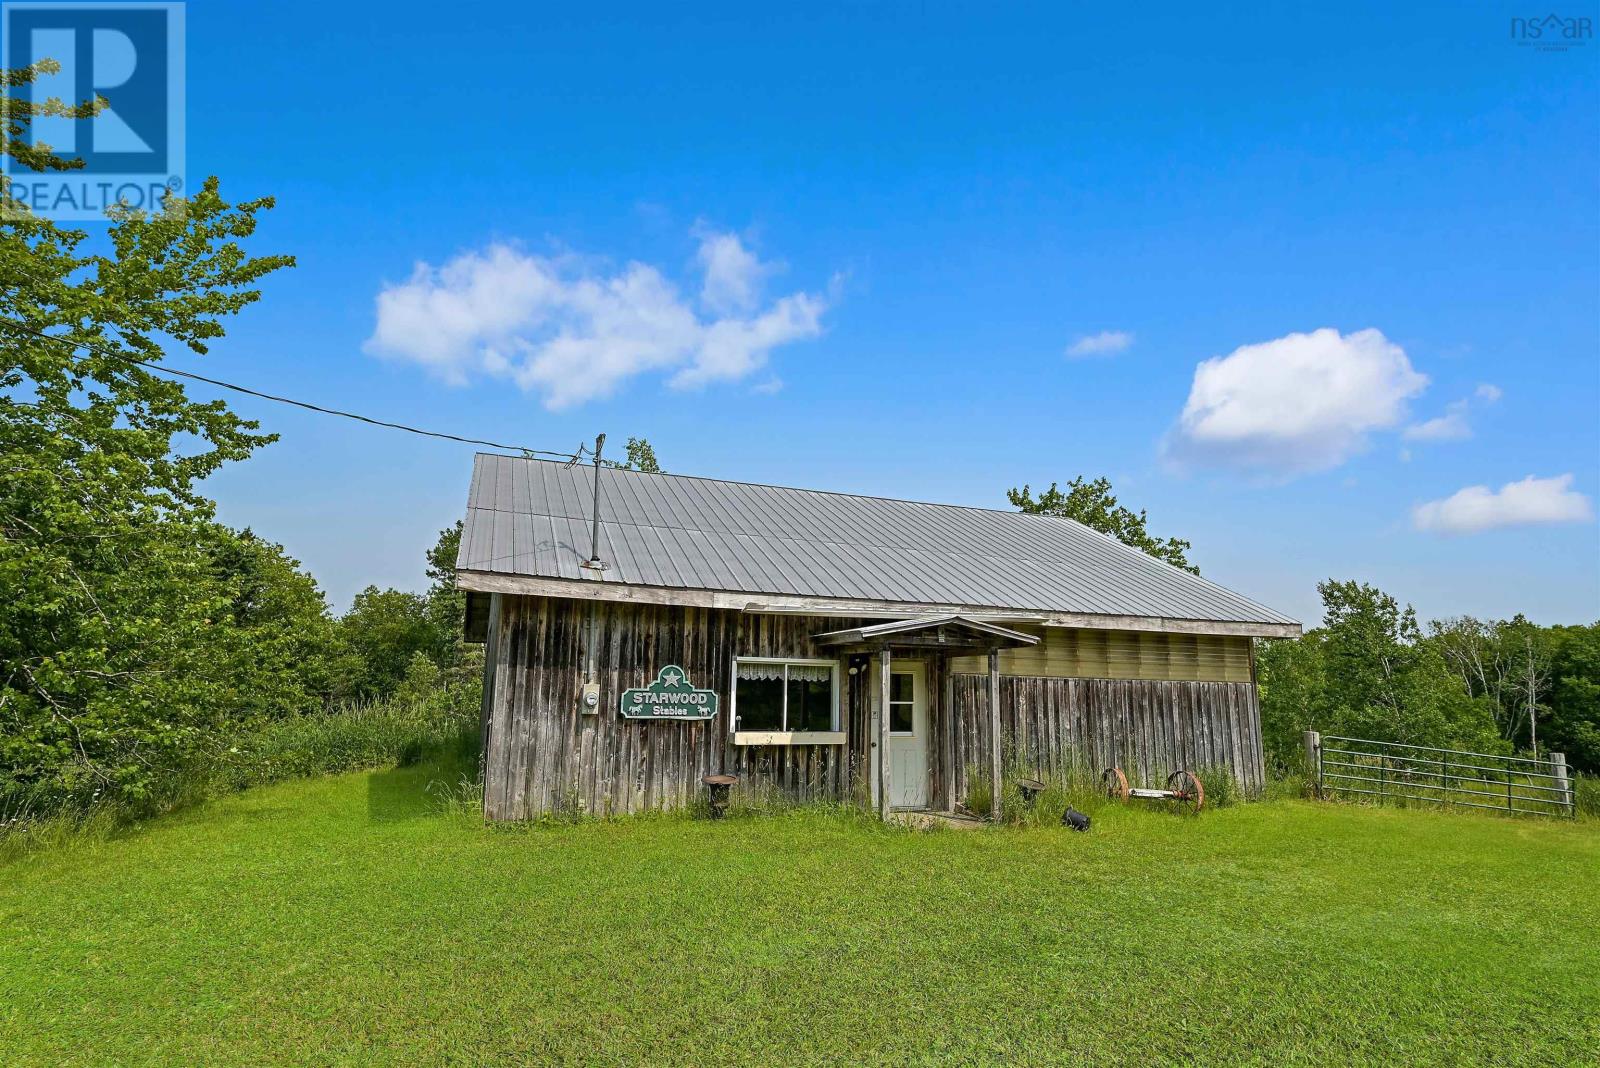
[349, 738]
[1222, 789]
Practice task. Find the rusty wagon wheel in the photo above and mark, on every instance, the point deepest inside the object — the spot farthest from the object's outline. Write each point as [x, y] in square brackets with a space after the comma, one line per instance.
[1115, 784]
[1186, 789]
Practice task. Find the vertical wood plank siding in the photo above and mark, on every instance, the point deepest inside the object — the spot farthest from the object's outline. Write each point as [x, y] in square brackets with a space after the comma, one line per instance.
[544, 755]
[1149, 729]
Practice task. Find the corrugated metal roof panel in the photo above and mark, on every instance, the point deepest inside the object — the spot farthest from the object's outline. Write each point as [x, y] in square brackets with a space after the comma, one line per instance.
[531, 517]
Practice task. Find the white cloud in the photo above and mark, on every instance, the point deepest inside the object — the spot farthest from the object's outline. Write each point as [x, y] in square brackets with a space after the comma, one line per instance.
[1299, 403]
[1451, 426]
[1531, 501]
[733, 273]
[731, 348]
[562, 327]
[1105, 343]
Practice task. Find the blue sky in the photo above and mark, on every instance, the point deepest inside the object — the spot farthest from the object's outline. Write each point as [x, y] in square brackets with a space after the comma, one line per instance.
[851, 251]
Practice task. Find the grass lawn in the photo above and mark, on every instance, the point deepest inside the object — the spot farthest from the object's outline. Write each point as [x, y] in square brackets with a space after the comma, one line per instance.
[353, 919]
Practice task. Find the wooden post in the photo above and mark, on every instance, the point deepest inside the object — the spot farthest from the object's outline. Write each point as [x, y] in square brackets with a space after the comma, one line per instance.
[883, 733]
[1313, 741]
[994, 735]
[1558, 772]
[949, 718]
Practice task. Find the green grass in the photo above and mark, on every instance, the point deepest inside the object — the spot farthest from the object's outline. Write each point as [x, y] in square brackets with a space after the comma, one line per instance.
[357, 919]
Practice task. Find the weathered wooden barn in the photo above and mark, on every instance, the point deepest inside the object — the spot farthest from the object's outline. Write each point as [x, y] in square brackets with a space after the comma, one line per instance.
[828, 645]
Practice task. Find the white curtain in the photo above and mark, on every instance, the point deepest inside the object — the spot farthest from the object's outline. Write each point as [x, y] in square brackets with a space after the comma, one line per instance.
[797, 672]
[748, 670]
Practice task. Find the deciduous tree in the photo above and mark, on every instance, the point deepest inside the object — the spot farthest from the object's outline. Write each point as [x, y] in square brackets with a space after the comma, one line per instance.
[1094, 505]
[116, 607]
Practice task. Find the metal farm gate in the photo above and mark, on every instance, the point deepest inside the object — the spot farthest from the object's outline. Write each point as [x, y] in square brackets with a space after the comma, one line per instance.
[1391, 771]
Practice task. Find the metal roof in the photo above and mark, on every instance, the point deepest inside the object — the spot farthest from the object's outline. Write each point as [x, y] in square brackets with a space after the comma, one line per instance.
[531, 518]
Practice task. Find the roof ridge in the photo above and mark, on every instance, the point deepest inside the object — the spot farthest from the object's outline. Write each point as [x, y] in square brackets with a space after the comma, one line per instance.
[807, 489]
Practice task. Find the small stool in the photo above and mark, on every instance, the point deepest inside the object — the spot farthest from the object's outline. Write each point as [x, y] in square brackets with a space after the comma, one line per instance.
[719, 786]
[1031, 789]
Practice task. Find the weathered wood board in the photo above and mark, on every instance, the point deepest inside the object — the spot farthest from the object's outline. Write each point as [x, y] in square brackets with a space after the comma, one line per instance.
[1148, 728]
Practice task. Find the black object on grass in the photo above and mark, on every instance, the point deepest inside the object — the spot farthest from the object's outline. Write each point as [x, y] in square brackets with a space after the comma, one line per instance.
[1075, 819]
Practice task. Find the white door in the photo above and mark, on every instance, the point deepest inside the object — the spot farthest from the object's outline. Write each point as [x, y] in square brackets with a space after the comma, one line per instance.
[908, 733]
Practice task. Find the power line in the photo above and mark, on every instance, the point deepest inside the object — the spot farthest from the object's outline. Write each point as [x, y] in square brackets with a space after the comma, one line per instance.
[307, 405]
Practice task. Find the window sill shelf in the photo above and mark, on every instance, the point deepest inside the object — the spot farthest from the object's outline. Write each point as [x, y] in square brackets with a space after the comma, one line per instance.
[788, 737]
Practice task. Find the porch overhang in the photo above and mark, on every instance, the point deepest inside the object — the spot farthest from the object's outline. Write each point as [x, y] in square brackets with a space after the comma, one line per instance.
[927, 632]
[917, 636]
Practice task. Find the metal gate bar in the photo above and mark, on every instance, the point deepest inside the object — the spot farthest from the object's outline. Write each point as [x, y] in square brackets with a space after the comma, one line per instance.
[1398, 770]
[1398, 787]
[1558, 791]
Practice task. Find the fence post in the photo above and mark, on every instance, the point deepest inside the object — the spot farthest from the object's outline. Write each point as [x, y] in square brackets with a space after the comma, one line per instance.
[1509, 806]
[1558, 772]
[1313, 742]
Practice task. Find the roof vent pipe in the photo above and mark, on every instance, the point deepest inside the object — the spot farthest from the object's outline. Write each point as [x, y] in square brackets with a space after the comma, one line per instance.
[594, 545]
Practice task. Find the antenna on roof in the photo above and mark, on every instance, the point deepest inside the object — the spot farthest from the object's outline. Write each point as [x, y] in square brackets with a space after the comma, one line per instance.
[594, 545]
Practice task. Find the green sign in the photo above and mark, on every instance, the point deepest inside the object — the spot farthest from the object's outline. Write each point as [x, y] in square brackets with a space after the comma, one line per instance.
[671, 696]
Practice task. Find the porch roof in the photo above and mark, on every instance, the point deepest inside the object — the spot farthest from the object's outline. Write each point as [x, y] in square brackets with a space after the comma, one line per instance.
[937, 632]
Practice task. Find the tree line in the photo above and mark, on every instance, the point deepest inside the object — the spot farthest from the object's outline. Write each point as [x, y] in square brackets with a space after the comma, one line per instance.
[1372, 671]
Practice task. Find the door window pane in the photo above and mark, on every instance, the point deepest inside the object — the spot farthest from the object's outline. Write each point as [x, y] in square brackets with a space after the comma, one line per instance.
[901, 719]
[902, 688]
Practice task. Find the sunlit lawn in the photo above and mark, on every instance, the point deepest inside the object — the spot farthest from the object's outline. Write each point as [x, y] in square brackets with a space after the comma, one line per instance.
[355, 919]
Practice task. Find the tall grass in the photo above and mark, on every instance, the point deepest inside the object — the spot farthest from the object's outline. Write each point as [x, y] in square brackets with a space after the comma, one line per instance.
[1586, 796]
[1220, 786]
[1288, 785]
[1073, 785]
[399, 731]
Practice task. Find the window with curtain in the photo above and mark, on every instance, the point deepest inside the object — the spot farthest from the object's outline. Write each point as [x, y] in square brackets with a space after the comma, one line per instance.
[785, 695]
